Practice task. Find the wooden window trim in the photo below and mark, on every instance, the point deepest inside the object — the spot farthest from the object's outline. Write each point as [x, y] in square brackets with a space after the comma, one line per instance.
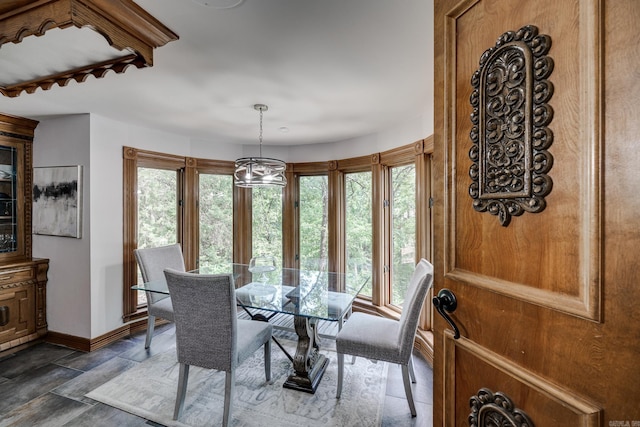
[132, 159]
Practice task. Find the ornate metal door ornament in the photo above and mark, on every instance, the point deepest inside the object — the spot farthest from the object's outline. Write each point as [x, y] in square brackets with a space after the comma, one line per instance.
[510, 118]
[495, 410]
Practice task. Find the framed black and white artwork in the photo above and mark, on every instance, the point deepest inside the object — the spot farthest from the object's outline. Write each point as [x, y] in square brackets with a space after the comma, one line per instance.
[57, 201]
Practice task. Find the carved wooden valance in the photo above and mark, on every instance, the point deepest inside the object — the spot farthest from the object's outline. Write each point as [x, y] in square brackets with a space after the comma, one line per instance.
[510, 132]
[125, 26]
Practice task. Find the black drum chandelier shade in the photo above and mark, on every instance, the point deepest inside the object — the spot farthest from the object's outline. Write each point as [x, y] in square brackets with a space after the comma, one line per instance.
[252, 172]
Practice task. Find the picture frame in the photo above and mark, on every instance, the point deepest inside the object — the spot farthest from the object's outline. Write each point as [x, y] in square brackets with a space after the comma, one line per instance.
[57, 201]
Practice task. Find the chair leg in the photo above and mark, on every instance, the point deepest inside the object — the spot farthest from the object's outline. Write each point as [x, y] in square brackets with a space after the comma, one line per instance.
[340, 323]
[340, 374]
[151, 324]
[183, 379]
[267, 360]
[411, 371]
[407, 389]
[229, 390]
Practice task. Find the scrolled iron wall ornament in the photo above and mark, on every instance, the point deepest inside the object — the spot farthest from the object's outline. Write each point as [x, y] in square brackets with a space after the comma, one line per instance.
[510, 132]
[490, 409]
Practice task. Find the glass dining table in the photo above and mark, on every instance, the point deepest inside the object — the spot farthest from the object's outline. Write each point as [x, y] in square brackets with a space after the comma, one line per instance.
[307, 295]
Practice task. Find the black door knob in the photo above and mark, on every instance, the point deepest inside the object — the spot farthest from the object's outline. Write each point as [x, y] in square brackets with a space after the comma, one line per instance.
[445, 303]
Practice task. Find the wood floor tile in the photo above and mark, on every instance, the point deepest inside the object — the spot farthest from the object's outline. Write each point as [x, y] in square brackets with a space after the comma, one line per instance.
[20, 390]
[396, 413]
[159, 344]
[48, 410]
[87, 381]
[101, 415]
[32, 358]
[87, 361]
[124, 344]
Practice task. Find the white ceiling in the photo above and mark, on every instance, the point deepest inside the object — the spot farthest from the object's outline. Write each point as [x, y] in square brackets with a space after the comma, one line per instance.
[329, 70]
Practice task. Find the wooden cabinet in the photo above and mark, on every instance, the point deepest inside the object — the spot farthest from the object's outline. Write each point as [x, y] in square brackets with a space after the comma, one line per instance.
[23, 279]
[23, 302]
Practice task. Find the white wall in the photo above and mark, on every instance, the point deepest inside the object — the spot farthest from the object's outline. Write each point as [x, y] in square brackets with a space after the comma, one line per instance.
[408, 132]
[84, 292]
[64, 141]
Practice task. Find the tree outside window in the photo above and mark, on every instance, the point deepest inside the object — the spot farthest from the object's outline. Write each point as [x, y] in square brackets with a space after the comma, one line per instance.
[267, 222]
[403, 230]
[216, 222]
[157, 211]
[313, 222]
[358, 227]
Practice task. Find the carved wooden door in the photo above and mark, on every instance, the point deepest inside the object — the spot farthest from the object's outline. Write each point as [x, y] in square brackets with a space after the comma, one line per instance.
[537, 154]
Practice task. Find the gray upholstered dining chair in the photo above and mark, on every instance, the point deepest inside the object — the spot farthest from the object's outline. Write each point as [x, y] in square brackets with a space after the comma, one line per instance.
[152, 262]
[209, 333]
[389, 340]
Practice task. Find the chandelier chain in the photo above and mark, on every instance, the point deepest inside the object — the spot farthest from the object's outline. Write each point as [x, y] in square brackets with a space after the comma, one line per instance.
[260, 137]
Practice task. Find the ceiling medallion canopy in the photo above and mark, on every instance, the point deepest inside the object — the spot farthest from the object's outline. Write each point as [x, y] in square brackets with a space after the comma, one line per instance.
[219, 4]
[129, 30]
[260, 171]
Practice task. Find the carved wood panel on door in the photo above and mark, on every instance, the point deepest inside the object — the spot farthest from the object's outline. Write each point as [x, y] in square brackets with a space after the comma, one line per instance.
[548, 335]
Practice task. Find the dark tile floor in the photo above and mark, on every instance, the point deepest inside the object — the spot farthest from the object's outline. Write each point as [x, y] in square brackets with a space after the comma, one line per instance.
[44, 385]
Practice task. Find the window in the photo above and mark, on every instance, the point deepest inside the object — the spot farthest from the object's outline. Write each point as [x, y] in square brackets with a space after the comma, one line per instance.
[153, 214]
[157, 207]
[157, 211]
[360, 216]
[402, 223]
[358, 227]
[403, 230]
[215, 218]
[267, 222]
[314, 225]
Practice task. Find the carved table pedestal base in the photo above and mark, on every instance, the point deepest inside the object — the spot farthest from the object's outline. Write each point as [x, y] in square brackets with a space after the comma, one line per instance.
[309, 365]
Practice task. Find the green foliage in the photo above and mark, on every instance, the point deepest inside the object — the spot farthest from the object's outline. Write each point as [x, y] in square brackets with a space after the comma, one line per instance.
[157, 207]
[216, 222]
[267, 222]
[313, 222]
[403, 229]
[359, 227]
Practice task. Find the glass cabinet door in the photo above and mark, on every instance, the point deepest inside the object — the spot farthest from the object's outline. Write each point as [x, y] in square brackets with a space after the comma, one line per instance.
[16, 178]
[8, 199]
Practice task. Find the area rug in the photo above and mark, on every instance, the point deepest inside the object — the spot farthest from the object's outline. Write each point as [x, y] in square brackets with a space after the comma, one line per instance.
[148, 390]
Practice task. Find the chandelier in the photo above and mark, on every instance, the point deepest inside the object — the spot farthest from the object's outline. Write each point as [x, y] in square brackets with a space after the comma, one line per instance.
[260, 171]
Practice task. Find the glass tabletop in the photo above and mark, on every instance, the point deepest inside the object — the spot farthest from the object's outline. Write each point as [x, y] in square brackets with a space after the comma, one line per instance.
[308, 293]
